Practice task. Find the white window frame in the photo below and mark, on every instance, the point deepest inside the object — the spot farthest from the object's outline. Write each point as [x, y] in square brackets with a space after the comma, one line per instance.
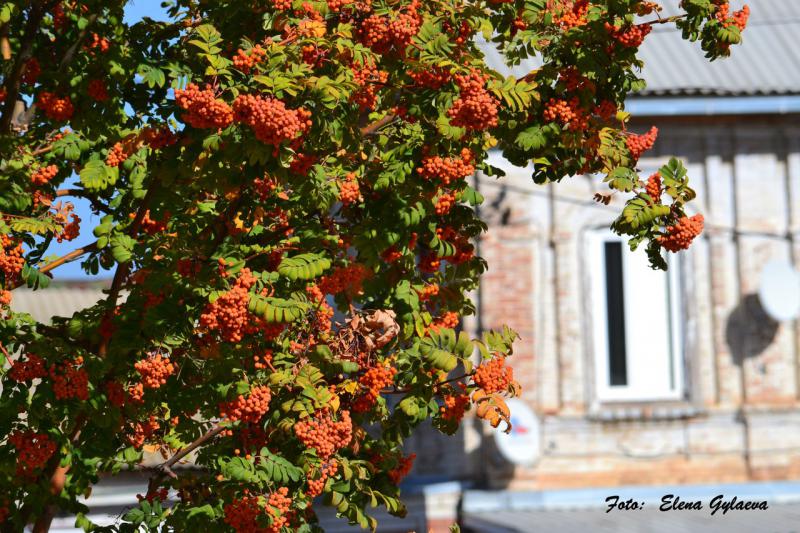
[640, 386]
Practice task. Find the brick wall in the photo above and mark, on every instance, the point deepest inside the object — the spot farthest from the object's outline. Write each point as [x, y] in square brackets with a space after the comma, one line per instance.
[741, 368]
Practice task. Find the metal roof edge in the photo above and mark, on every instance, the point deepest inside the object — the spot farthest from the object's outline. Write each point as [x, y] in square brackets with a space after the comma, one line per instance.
[715, 105]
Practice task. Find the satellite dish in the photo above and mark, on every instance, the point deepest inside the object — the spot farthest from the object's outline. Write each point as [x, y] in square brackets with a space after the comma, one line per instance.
[522, 446]
[779, 290]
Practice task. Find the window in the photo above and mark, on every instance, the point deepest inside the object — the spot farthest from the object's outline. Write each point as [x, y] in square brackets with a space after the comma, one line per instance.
[635, 316]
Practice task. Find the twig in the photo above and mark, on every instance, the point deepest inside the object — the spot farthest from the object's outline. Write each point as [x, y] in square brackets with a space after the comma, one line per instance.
[74, 254]
[165, 468]
[375, 126]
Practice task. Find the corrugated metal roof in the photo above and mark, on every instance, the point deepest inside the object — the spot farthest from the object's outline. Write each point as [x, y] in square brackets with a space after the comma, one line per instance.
[766, 63]
[43, 305]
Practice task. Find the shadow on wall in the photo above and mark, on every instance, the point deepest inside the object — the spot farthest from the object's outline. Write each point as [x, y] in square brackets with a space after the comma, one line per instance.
[750, 330]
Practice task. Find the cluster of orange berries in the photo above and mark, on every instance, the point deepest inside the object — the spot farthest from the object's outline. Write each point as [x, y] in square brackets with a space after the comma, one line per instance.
[154, 495]
[567, 112]
[243, 514]
[324, 434]
[393, 253]
[383, 33]
[43, 175]
[97, 90]
[316, 486]
[117, 155]
[279, 504]
[115, 393]
[447, 169]
[369, 79]
[97, 43]
[444, 203]
[158, 137]
[272, 122]
[375, 379]
[431, 78]
[680, 235]
[631, 36]
[11, 260]
[260, 362]
[283, 5]
[246, 60]
[142, 431]
[402, 469]
[55, 108]
[70, 381]
[475, 108]
[154, 370]
[606, 109]
[345, 279]
[229, 313]
[323, 313]
[573, 80]
[455, 404]
[33, 451]
[464, 250]
[349, 192]
[738, 19]
[28, 370]
[653, 187]
[639, 144]
[151, 226]
[494, 376]
[31, 71]
[428, 292]
[250, 409]
[429, 262]
[448, 320]
[313, 55]
[570, 15]
[203, 109]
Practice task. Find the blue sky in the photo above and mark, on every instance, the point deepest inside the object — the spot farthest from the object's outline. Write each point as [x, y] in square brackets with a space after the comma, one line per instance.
[133, 12]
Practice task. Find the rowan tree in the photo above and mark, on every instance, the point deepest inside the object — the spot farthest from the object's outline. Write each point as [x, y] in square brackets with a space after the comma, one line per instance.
[287, 214]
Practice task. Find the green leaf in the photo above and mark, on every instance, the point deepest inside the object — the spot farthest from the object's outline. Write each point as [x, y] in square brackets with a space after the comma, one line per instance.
[95, 175]
[533, 138]
[37, 226]
[274, 468]
[304, 266]
[239, 469]
[122, 247]
[622, 179]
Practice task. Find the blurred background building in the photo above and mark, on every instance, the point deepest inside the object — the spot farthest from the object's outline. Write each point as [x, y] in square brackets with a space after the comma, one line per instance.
[697, 384]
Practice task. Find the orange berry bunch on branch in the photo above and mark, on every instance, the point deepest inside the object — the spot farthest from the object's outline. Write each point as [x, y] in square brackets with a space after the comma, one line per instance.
[475, 108]
[202, 108]
[270, 119]
[248, 409]
[681, 234]
[155, 370]
[324, 434]
[447, 169]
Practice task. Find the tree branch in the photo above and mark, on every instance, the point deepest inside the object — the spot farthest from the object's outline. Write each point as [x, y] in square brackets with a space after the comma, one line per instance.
[375, 126]
[165, 468]
[124, 268]
[74, 254]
